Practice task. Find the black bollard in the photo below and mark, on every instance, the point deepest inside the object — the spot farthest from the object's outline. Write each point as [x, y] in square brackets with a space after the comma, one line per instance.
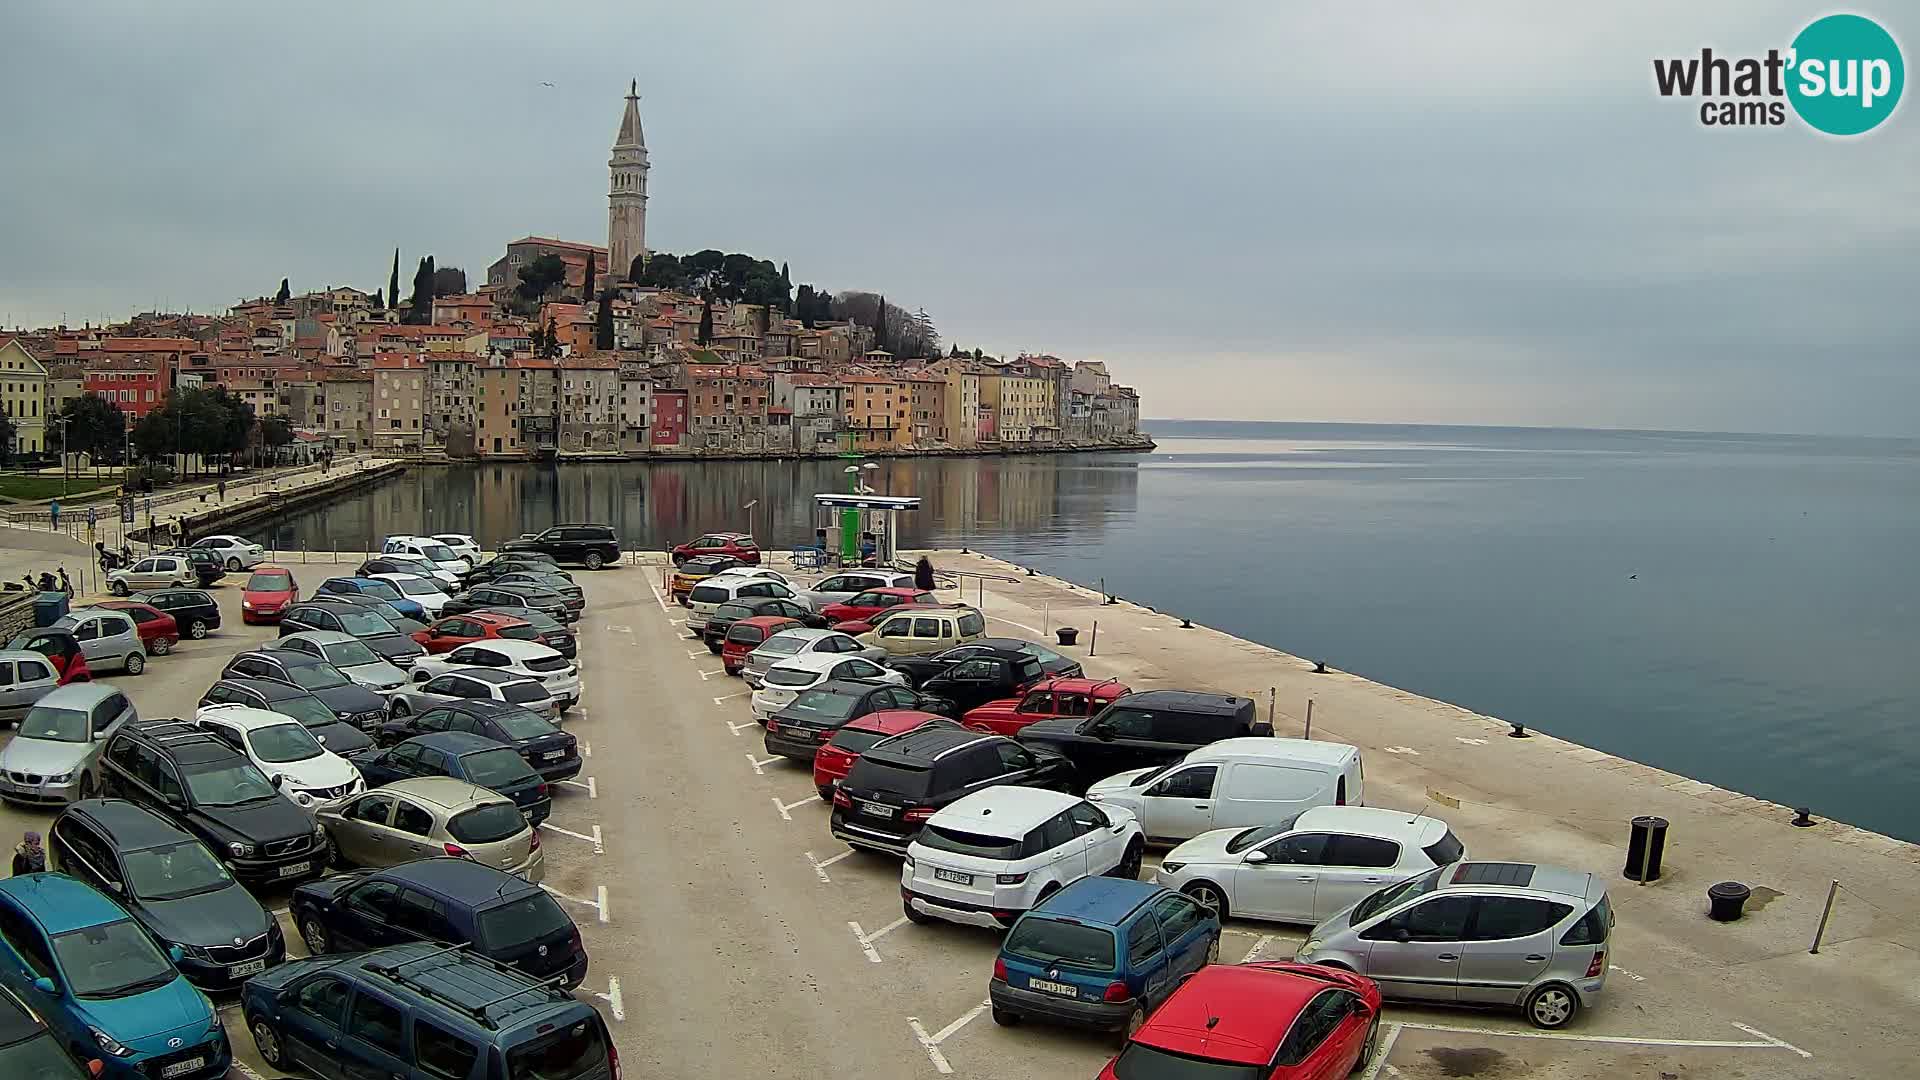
[1067, 635]
[1646, 842]
[1725, 901]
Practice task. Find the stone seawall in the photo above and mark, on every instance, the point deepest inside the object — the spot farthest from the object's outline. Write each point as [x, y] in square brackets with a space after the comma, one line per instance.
[1140, 446]
[236, 515]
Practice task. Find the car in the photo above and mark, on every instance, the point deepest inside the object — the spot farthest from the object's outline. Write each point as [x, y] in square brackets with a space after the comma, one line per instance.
[237, 553]
[692, 572]
[207, 566]
[798, 640]
[835, 758]
[800, 727]
[210, 789]
[1044, 700]
[592, 546]
[1328, 860]
[355, 658]
[552, 753]
[366, 605]
[193, 610]
[462, 545]
[985, 674]
[434, 815]
[746, 635]
[721, 588]
[483, 683]
[527, 659]
[25, 677]
[900, 782]
[157, 629]
[510, 599]
[1254, 780]
[59, 647]
[506, 562]
[349, 740]
[268, 592]
[444, 900]
[465, 756]
[346, 700]
[285, 751]
[919, 631]
[97, 977]
[353, 621]
[1144, 730]
[108, 639]
[30, 1049]
[457, 1013]
[1101, 953]
[172, 885]
[376, 588]
[722, 618]
[453, 631]
[991, 856]
[418, 566]
[1512, 934]
[766, 573]
[428, 548]
[421, 590]
[50, 759]
[552, 581]
[786, 679]
[918, 669]
[734, 545]
[152, 572]
[862, 607]
[846, 584]
[1268, 1019]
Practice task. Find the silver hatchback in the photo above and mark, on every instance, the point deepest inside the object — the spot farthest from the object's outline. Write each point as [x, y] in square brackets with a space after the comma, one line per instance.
[108, 639]
[1479, 933]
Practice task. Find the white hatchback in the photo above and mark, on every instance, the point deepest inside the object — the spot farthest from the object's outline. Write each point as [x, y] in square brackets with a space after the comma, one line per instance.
[990, 856]
[799, 640]
[308, 773]
[527, 659]
[720, 588]
[786, 679]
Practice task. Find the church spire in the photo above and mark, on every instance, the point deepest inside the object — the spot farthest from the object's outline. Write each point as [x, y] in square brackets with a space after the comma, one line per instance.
[627, 191]
[630, 133]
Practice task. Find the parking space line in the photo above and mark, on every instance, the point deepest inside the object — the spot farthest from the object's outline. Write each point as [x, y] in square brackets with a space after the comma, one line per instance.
[784, 807]
[738, 728]
[705, 675]
[820, 865]
[759, 766]
[931, 1043]
[619, 629]
[599, 847]
[1781, 1043]
[1381, 1053]
[615, 1003]
[695, 654]
[659, 598]
[1259, 946]
[1764, 1042]
[599, 905]
[1021, 625]
[586, 748]
[866, 940]
[724, 698]
[592, 789]
[245, 1070]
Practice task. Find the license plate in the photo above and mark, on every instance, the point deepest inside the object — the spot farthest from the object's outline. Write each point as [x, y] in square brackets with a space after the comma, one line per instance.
[874, 809]
[955, 876]
[554, 755]
[293, 869]
[1063, 989]
[183, 1068]
[251, 967]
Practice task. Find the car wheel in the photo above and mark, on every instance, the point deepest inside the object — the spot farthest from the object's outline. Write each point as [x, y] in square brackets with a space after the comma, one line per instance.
[1129, 866]
[713, 647]
[1368, 1048]
[1136, 1020]
[161, 646]
[1552, 1006]
[915, 917]
[233, 565]
[1005, 1018]
[594, 561]
[136, 663]
[315, 935]
[197, 629]
[86, 785]
[119, 588]
[1209, 896]
[267, 1041]
[826, 792]
[397, 710]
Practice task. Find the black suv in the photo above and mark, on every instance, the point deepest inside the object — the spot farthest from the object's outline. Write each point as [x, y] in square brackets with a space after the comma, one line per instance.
[804, 724]
[215, 793]
[207, 567]
[510, 599]
[172, 885]
[1143, 730]
[350, 702]
[898, 783]
[553, 753]
[550, 580]
[592, 546]
[343, 737]
[442, 899]
[723, 617]
[194, 610]
[974, 677]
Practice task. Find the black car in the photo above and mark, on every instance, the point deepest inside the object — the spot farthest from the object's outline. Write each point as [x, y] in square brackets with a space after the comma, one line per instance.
[511, 599]
[899, 782]
[29, 1048]
[983, 674]
[194, 610]
[382, 564]
[723, 617]
[342, 736]
[213, 791]
[508, 562]
[457, 901]
[553, 753]
[405, 624]
[207, 567]
[918, 669]
[592, 546]
[377, 632]
[172, 885]
[351, 703]
[575, 597]
[1143, 730]
[463, 755]
[812, 717]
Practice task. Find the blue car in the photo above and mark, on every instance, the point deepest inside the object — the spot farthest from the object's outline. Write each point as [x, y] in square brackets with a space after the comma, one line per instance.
[1101, 953]
[379, 590]
[103, 986]
[463, 755]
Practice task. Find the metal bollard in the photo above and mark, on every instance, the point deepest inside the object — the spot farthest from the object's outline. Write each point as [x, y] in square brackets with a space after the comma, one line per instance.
[1821, 930]
[1308, 734]
[1095, 638]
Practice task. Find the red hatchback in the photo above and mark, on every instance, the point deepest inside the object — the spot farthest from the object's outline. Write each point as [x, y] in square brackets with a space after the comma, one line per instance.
[157, 629]
[1262, 1021]
[749, 634]
[834, 760]
[863, 606]
[268, 592]
[738, 545]
[1044, 700]
[445, 635]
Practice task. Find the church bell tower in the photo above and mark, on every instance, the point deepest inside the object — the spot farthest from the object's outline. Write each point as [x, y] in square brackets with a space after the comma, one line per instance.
[627, 191]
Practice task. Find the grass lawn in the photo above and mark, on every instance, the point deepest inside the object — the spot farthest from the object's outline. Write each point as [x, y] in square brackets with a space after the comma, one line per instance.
[31, 486]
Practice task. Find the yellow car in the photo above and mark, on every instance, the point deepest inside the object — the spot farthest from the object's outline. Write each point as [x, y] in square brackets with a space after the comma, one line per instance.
[694, 571]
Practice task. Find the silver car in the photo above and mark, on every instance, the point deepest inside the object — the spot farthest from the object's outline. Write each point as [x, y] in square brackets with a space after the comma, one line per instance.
[108, 639]
[355, 658]
[798, 641]
[49, 761]
[486, 684]
[1479, 933]
[152, 572]
[25, 677]
[427, 816]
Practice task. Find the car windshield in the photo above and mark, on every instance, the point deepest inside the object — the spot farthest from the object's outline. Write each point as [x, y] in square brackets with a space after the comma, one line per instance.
[1394, 895]
[438, 552]
[316, 676]
[1040, 652]
[779, 676]
[306, 708]
[391, 644]
[284, 742]
[1247, 838]
[230, 785]
[980, 845]
[822, 705]
[732, 610]
[171, 871]
[495, 768]
[348, 654]
[521, 724]
[274, 581]
[59, 725]
[1151, 775]
[1051, 941]
[709, 594]
[111, 960]
[1142, 1062]
[521, 922]
[362, 622]
[524, 693]
[417, 586]
[486, 824]
[578, 1051]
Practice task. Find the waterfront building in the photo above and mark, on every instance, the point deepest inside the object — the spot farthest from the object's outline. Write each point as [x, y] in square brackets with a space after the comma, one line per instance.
[23, 397]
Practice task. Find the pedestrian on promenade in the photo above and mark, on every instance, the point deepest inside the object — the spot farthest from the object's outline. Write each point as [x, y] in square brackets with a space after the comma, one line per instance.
[53, 508]
[222, 486]
[28, 856]
[923, 574]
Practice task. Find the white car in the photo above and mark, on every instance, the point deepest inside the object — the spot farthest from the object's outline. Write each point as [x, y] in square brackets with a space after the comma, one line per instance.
[720, 588]
[849, 583]
[1331, 858]
[525, 659]
[423, 591]
[786, 679]
[800, 641]
[282, 748]
[475, 682]
[236, 552]
[990, 856]
[767, 572]
[421, 566]
[427, 548]
[462, 545]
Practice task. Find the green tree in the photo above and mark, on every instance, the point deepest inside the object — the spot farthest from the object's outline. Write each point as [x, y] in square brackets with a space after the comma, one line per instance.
[603, 322]
[803, 306]
[449, 281]
[540, 275]
[7, 433]
[706, 322]
[379, 300]
[275, 432]
[880, 336]
[553, 340]
[95, 427]
[393, 280]
[284, 294]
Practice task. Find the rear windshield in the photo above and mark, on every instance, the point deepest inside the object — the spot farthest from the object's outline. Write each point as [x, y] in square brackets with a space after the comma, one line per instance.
[1142, 1062]
[530, 918]
[781, 645]
[487, 824]
[546, 663]
[822, 705]
[854, 742]
[360, 623]
[521, 724]
[382, 589]
[564, 1055]
[733, 610]
[495, 768]
[1053, 941]
[971, 623]
[524, 693]
[1445, 850]
[306, 708]
[745, 635]
[315, 676]
[904, 780]
[528, 632]
[940, 838]
[275, 582]
[349, 654]
[709, 594]
[779, 676]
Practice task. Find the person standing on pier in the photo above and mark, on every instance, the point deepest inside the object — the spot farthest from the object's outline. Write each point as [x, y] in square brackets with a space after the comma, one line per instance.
[923, 574]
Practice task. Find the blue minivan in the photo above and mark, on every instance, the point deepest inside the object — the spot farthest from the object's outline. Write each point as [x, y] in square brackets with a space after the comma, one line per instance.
[1101, 953]
[105, 989]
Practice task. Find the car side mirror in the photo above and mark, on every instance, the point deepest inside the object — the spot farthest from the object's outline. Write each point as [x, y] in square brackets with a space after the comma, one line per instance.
[45, 985]
[176, 954]
[1256, 856]
[1360, 1008]
[279, 779]
[1402, 935]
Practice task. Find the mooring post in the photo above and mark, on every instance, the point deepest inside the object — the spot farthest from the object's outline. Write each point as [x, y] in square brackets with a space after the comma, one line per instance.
[1309, 731]
[1821, 930]
[1095, 639]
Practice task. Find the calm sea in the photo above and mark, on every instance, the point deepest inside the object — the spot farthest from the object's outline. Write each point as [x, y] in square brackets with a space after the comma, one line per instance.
[1744, 609]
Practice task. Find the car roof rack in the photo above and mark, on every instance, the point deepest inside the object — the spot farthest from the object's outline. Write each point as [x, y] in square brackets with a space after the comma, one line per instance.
[477, 1011]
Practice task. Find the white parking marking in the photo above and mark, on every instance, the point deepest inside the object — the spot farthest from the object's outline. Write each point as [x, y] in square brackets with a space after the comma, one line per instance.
[1408, 750]
[820, 865]
[738, 728]
[866, 940]
[724, 698]
[1259, 946]
[705, 675]
[586, 748]
[619, 629]
[1469, 742]
[615, 1004]
[1625, 974]
[599, 905]
[695, 654]
[245, 1070]
[1381, 1052]
[1765, 1042]
[784, 807]
[931, 1043]
[1021, 625]
[759, 766]
[1781, 1043]
[599, 848]
[661, 599]
[592, 789]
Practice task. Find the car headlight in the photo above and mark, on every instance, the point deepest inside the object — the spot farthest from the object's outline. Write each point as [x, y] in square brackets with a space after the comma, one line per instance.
[1173, 867]
[1310, 947]
[110, 1044]
[319, 832]
[240, 851]
[196, 951]
[246, 605]
[62, 778]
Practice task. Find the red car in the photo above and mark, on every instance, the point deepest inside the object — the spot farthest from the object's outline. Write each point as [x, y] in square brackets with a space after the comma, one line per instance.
[863, 607]
[738, 545]
[60, 648]
[157, 629]
[445, 635]
[1044, 700]
[747, 635]
[834, 760]
[1275, 1021]
[267, 594]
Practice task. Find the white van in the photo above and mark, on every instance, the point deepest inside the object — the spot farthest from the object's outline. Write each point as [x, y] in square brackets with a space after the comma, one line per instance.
[720, 588]
[1256, 780]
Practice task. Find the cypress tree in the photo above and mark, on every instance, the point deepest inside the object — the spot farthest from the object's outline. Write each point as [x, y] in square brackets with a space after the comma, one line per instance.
[706, 322]
[285, 293]
[393, 280]
[379, 301]
[586, 290]
[880, 322]
[603, 319]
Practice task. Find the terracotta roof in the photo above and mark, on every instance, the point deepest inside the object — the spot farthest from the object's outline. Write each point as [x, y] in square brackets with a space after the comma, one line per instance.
[395, 361]
[530, 362]
[156, 344]
[550, 242]
[591, 363]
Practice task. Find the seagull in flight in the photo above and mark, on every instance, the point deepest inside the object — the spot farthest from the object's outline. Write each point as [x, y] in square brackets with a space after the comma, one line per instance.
[546, 84]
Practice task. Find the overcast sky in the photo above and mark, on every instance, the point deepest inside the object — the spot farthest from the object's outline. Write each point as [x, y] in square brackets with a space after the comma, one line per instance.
[1373, 212]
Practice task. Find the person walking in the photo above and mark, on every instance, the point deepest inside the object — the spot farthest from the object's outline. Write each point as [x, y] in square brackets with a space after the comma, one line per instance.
[923, 574]
[28, 856]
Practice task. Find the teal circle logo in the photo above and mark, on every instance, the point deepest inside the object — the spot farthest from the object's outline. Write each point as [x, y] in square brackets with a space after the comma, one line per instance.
[1846, 75]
